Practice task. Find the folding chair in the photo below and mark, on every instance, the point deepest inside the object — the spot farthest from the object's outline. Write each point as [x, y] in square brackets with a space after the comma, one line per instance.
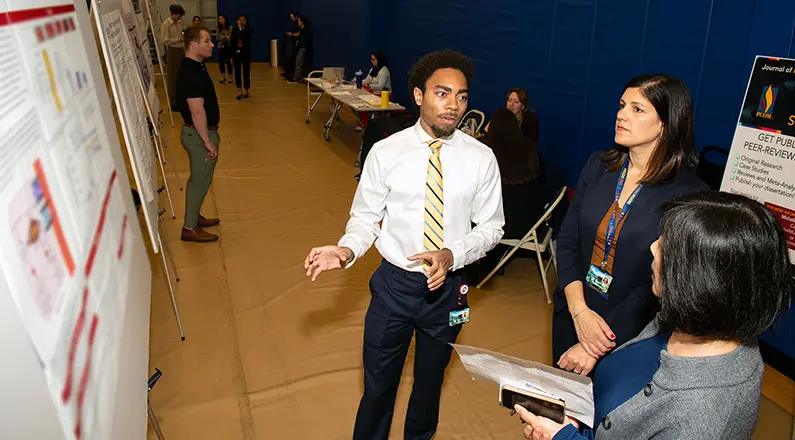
[478, 119]
[531, 242]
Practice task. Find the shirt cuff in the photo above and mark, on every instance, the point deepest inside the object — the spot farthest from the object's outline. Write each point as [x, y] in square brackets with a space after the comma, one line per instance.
[569, 432]
[459, 255]
[350, 244]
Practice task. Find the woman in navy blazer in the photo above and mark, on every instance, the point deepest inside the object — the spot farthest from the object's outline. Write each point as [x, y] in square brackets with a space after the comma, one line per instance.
[655, 151]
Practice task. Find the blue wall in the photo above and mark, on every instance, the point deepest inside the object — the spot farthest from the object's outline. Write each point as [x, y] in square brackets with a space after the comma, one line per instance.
[572, 56]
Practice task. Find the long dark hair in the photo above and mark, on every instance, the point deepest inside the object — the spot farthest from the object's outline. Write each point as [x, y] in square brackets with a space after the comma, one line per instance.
[382, 62]
[226, 22]
[516, 154]
[676, 148]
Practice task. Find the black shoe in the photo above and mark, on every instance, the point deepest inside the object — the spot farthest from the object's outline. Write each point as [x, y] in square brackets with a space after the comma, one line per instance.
[245, 96]
[239, 97]
[358, 176]
[292, 81]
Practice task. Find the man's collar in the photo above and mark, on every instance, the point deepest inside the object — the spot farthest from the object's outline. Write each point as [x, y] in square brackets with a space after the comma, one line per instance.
[426, 138]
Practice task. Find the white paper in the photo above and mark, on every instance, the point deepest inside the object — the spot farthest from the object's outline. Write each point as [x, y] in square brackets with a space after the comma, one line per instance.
[135, 126]
[575, 390]
[340, 93]
[370, 99]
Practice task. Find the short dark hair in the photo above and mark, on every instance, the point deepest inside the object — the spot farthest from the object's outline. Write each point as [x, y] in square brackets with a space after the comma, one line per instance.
[426, 66]
[725, 268]
[194, 33]
[176, 10]
[195, 17]
[676, 148]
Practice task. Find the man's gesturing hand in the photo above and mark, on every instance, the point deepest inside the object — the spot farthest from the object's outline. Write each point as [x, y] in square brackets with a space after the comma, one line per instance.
[326, 258]
[440, 263]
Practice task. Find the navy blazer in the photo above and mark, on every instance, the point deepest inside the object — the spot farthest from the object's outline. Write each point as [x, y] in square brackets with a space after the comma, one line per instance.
[631, 305]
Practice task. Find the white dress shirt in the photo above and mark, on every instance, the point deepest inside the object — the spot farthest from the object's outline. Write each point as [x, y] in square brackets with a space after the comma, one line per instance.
[392, 189]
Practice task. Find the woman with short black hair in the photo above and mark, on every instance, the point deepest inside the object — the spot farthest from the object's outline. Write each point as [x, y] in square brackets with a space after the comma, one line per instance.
[604, 297]
[722, 272]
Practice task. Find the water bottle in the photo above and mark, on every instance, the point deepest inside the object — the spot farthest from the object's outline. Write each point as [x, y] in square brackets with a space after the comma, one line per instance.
[358, 79]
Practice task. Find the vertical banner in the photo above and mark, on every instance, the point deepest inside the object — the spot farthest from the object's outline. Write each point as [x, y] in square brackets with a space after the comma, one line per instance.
[762, 159]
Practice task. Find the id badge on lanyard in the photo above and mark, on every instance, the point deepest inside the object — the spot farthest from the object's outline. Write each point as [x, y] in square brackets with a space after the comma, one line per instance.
[598, 277]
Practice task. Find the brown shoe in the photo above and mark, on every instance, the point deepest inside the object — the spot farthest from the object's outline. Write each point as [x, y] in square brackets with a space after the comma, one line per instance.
[198, 234]
[207, 222]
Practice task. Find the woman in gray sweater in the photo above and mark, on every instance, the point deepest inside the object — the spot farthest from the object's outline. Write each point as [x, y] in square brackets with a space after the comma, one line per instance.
[722, 273]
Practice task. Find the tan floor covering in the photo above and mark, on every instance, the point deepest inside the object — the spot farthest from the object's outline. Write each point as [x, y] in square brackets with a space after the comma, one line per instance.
[268, 354]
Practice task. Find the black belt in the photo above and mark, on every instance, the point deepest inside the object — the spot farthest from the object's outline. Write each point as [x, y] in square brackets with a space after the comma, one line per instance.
[209, 127]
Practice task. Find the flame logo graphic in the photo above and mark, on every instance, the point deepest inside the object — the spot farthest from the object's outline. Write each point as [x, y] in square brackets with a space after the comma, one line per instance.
[768, 99]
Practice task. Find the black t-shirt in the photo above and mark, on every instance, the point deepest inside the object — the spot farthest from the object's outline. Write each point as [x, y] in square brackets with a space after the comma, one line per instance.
[304, 38]
[193, 81]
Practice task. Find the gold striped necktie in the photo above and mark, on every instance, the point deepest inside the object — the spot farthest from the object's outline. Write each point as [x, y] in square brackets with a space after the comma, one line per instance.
[434, 203]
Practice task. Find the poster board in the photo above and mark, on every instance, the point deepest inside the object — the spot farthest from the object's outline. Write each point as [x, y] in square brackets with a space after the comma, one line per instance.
[134, 18]
[125, 79]
[762, 158]
[75, 280]
[761, 166]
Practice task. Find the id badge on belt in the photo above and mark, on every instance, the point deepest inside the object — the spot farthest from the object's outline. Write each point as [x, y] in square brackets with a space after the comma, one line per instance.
[461, 314]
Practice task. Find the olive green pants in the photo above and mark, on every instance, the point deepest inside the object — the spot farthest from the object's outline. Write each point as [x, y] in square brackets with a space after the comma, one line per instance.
[201, 172]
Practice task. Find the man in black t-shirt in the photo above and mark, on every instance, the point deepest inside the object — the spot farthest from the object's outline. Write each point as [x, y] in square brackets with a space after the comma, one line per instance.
[199, 136]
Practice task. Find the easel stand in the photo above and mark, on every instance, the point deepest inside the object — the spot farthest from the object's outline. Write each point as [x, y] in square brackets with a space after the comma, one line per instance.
[154, 124]
[152, 419]
[166, 248]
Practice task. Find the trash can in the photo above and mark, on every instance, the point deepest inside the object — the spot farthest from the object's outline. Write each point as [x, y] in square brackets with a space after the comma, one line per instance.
[274, 53]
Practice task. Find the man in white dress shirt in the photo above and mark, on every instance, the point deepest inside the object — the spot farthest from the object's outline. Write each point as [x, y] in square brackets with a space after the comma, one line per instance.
[428, 184]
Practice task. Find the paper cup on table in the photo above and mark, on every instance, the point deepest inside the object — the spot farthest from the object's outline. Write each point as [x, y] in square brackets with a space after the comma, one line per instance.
[384, 99]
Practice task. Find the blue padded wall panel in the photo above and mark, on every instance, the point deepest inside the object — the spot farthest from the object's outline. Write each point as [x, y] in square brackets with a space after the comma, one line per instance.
[615, 57]
[676, 33]
[724, 76]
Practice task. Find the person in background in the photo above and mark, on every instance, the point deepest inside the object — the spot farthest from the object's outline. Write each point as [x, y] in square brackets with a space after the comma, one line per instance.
[289, 50]
[523, 199]
[428, 184]
[197, 21]
[721, 270]
[240, 43]
[377, 80]
[171, 36]
[222, 36]
[524, 195]
[604, 297]
[517, 102]
[198, 105]
[302, 48]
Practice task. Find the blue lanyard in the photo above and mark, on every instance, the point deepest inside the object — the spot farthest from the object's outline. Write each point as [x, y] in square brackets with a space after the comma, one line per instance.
[613, 224]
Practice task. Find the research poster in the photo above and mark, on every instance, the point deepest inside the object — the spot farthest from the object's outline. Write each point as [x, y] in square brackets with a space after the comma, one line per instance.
[63, 224]
[136, 23]
[762, 158]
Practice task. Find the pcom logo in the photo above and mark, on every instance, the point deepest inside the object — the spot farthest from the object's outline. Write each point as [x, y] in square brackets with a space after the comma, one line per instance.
[766, 102]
